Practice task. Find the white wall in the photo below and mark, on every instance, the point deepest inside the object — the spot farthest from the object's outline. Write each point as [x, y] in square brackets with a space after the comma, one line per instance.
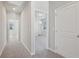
[13, 16]
[2, 27]
[51, 25]
[26, 26]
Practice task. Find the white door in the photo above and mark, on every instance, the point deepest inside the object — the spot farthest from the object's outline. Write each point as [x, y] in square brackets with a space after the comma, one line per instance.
[65, 31]
[77, 29]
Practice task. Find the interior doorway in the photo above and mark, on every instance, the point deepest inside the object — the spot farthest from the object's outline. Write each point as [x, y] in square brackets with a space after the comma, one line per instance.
[41, 30]
[13, 29]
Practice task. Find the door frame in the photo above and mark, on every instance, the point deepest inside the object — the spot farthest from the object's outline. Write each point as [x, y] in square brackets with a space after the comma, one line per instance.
[7, 27]
[47, 42]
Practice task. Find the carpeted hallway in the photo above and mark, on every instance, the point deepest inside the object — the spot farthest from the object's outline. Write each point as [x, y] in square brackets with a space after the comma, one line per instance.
[14, 49]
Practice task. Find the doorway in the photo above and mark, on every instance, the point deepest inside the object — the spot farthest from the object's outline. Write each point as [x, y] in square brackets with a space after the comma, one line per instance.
[41, 30]
[13, 27]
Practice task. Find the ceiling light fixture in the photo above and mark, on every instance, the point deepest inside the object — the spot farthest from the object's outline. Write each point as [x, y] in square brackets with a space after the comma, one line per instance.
[14, 9]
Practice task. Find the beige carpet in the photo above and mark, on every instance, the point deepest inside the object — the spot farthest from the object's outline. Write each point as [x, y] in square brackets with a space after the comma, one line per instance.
[14, 49]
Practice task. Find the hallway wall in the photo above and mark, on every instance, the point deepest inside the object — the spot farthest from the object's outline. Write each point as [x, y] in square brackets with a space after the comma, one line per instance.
[51, 26]
[26, 26]
[2, 27]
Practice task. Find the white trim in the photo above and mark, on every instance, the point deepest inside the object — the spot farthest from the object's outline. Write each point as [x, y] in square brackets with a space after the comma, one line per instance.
[55, 52]
[27, 48]
[32, 32]
[48, 28]
[2, 48]
[51, 50]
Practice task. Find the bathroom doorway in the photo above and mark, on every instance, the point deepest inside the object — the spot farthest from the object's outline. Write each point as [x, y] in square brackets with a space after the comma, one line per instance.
[41, 30]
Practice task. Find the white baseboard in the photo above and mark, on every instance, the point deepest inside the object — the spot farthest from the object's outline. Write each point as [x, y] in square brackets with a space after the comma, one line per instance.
[55, 51]
[27, 48]
[2, 48]
[51, 50]
[32, 54]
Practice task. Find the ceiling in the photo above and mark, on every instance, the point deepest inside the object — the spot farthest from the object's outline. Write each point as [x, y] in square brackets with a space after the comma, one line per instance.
[60, 3]
[14, 6]
[17, 6]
